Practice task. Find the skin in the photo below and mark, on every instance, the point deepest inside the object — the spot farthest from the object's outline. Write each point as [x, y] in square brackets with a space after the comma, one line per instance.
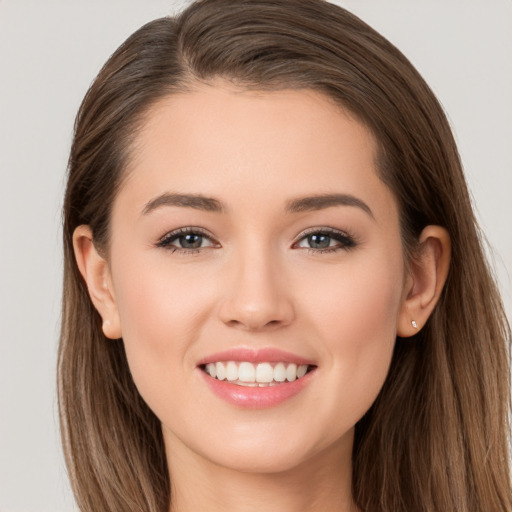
[257, 282]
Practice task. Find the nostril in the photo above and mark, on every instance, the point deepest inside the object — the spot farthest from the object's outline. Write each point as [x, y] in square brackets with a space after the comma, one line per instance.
[254, 325]
[256, 307]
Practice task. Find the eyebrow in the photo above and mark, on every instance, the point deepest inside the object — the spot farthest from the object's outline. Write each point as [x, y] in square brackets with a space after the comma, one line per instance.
[301, 204]
[196, 201]
[322, 201]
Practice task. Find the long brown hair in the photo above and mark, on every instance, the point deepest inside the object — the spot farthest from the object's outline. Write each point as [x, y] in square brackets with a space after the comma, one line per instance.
[436, 439]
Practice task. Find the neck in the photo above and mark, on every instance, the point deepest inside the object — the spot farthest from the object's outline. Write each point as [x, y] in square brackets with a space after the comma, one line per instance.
[320, 484]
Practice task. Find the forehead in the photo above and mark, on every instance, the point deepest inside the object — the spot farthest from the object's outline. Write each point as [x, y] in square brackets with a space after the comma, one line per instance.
[219, 140]
[216, 117]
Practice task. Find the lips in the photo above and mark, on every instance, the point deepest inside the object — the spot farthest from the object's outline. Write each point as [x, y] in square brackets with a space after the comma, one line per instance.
[256, 378]
[270, 355]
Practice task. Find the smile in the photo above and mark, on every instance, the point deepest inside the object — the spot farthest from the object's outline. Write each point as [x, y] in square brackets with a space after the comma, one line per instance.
[264, 374]
[256, 379]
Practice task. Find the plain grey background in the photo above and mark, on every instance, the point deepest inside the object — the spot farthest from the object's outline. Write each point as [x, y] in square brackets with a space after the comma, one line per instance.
[49, 53]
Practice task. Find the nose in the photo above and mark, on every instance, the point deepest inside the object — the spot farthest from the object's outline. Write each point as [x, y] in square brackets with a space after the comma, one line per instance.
[257, 297]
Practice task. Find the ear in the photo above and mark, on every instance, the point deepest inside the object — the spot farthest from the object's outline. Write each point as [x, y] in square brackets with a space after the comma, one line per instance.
[425, 281]
[96, 273]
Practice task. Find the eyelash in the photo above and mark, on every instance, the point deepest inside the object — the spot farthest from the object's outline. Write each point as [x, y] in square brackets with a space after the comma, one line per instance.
[166, 240]
[345, 240]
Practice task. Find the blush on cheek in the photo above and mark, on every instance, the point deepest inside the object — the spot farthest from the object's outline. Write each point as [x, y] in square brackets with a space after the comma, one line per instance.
[375, 333]
[361, 327]
[159, 323]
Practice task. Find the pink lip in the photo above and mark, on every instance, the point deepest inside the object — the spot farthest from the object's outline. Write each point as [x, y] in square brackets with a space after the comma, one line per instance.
[263, 355]
[255, 397]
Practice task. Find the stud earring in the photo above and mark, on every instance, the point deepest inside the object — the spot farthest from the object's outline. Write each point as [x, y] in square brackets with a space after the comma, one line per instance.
[414, 324]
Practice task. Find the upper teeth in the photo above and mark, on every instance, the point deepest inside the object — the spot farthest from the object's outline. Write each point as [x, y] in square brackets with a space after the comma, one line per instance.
[261, 373]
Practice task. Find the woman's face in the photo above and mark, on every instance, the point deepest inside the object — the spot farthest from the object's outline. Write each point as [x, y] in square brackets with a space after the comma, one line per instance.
[253, 238]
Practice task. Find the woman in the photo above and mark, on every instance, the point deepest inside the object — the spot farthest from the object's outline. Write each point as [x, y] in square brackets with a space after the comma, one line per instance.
[275, 294]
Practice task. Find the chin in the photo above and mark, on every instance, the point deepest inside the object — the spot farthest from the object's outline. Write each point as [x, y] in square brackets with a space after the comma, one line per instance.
[258, 460]
[272, 450]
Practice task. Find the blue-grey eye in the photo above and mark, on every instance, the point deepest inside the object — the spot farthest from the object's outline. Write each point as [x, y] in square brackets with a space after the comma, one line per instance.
[185, 239]
[190, 241]
[326, 240]
[319, 241]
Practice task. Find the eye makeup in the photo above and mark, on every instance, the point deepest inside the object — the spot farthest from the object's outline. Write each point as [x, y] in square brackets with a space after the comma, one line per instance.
[320, 240]
[317, 240]
[187, 240]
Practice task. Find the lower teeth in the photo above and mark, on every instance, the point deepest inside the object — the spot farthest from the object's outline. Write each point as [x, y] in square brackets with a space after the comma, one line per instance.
[254, 384]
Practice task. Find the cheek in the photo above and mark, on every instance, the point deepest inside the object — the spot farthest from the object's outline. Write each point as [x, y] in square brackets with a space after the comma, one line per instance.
[356, 319]
[161, 317]
[358, 302]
